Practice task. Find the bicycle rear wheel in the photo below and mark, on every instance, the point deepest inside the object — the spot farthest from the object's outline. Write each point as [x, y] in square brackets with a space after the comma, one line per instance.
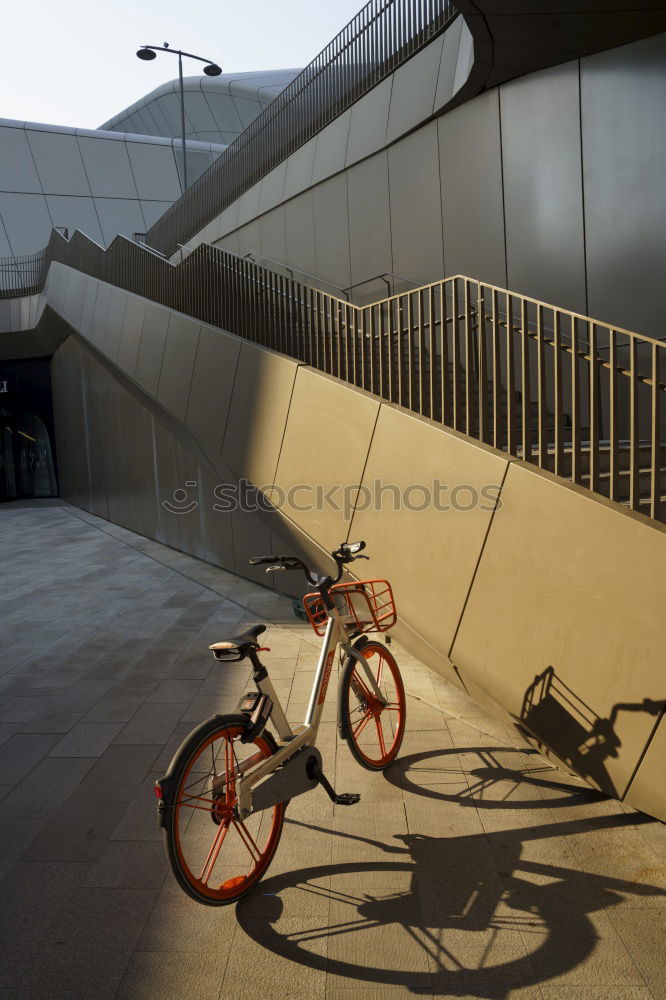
[215, 857]
[373, 728]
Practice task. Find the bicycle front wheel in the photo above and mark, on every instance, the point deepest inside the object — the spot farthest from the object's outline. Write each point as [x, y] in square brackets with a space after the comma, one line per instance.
[216, 857]
[373, 727]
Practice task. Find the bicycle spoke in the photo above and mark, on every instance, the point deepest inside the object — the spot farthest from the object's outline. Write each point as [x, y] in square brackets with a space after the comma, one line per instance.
[209, 863]
[380, 734]
[247, 839]
[362, 724]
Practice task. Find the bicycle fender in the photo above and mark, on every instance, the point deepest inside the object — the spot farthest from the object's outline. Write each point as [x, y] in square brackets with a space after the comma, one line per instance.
[357, 646]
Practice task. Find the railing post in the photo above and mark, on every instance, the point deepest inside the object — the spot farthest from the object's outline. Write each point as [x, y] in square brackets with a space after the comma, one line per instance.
[575, 405]
[497, 374]
[557, 393]
[469, 374]
[483, 364]
[455, 355]
[541, 392]
[594, 398]
[444, 351]
[655, 471]
[510, 381]
[613, 456]
[634, 440]
[525, 387]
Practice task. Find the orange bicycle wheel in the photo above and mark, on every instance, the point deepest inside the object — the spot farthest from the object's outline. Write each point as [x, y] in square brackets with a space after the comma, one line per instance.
[373, 727]
[217, 857]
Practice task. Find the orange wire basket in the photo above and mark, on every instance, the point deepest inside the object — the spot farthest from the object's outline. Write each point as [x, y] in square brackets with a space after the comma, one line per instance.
[366, 606]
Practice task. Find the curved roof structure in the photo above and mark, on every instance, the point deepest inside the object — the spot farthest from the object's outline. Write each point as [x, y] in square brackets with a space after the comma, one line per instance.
[217, 109]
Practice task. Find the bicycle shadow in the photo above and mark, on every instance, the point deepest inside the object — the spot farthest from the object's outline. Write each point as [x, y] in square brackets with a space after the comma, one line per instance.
[555, 715]
[485, 918]
[485, 771]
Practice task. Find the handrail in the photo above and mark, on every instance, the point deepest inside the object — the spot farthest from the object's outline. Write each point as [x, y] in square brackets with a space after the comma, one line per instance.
[521, 375]
[383, 35]
[254, 256]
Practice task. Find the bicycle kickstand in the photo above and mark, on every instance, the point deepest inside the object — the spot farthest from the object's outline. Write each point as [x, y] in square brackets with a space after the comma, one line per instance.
[341, 799]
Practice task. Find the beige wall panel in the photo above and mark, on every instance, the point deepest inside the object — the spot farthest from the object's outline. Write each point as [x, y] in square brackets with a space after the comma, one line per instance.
[299, 169]
[248, 204]
[258, 413]
[369, 219]
[96, 334]
[648, 789]
[211, 388]
[74, 297]
[300, 233]
[229, 218]
[128, 352]
[216, 519]
[416, 219]
[249, 239]
[100, 416]
[342, 420]
[414, 87]
[178, 363]
[231, 242]
[151, 349]
[272, 236]
[251, 537]
[331, 149]
[114, 323]
[332, 231]
[70, 425]
[89, 300]
[429, 555]
[190, 521]
[569, 585]
[168, 485]
[369, 118]
[272, 187]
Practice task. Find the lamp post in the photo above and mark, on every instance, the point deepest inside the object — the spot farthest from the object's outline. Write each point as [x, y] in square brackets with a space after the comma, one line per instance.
[148, 52]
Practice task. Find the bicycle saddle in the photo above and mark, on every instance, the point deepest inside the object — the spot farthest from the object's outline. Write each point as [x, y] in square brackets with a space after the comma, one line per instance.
[238, 646]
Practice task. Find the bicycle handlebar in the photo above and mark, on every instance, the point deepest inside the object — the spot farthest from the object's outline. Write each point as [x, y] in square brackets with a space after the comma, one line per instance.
[346, 552]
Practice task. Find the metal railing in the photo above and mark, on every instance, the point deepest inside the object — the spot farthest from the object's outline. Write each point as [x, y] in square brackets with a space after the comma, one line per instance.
[580, 398]
[376, 41]
[22, 275]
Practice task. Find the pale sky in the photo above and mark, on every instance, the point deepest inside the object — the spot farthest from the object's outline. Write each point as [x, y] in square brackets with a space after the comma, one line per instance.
[73, 62]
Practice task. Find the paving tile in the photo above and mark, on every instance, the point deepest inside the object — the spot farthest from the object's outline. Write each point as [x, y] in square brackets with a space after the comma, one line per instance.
[20, 753]
[87, 739]
[128, 865]
[643, 934]
[153, 974]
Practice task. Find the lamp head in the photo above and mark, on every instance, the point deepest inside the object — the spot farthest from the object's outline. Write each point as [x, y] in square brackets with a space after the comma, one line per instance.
[212, 69]
[146, 54]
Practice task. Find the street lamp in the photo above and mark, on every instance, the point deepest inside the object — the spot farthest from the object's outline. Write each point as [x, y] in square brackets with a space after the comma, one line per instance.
[148, 52]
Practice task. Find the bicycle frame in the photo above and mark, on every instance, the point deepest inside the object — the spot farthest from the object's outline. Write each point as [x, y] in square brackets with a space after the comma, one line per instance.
[291, 741]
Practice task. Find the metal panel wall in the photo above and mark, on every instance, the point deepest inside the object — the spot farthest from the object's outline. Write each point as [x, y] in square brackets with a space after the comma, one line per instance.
[416, 222]
[471, 174]
[623, 95]
[543, 196]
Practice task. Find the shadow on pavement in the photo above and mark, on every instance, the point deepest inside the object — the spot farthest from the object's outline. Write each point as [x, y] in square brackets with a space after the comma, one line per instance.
[487, 918]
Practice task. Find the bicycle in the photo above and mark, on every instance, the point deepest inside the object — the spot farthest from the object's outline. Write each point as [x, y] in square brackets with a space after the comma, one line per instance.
[230, 781]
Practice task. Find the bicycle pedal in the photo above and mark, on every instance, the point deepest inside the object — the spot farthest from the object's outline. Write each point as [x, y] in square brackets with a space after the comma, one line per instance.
[347, 799]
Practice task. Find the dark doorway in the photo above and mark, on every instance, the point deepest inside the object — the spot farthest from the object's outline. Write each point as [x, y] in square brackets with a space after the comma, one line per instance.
[27, 450]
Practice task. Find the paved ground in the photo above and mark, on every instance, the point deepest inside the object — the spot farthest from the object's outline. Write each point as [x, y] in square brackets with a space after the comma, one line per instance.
[470, 869]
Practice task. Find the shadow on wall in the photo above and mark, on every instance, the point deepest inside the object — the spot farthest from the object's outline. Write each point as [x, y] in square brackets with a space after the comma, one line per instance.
[479, 917]
[558, 718]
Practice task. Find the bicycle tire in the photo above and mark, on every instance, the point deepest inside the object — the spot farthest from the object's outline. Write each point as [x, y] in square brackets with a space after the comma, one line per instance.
[360, 710]
[199, 822]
